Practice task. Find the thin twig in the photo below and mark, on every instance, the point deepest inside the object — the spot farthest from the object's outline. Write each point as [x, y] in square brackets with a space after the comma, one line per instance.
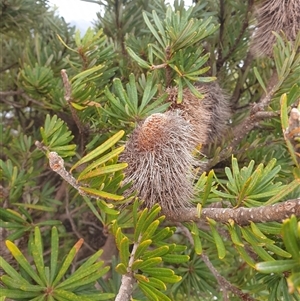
[20, 93]
[68, 98]
[242, 129]
[128, 280]
[221, 59]
[224, 284]
[73, 226]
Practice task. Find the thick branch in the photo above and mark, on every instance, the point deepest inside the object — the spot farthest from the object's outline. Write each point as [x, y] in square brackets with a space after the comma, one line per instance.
[243, 216]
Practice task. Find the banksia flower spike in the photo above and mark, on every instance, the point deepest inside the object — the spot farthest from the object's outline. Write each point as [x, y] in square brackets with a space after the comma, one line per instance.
[275, 15]
[159, 157]
[209, 115]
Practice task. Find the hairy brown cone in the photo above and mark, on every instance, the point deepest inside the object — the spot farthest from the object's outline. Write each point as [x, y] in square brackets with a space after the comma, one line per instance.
[209, 115]
[160, 160]
[275, 15]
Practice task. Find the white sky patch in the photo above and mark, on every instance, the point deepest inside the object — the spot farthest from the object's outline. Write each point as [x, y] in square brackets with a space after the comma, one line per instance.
[81, 13]
[77, 12]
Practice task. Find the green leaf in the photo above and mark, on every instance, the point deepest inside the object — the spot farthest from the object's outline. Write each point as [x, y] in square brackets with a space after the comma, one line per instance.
[153, 30]
[18, 294]
[150, 230]
[208, 186]
[69, 296]
[217, 238]
[100, 149]
[140, 224]
[177, 259]
[37, 254]
[152, 293]
[159, 272]
[245, 256]
[102, 170]
[139, 60]
[54, 253]
[142, 247]
[261, 82]
[102, 160]
[17, 254]
[89, 276]
[121, 268]
[124, 250]
[67, 262]
[15, 284]
[235, 234]
[278, 251]
[196, 237]
[278, 266]
[9, 270]
[107, 208]
[148, 263]
[101, 194]
[291, 238]
[156, 252]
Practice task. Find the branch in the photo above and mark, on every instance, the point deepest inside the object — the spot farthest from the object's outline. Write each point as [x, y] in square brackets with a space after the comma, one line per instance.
[128, 280]
[19, 93]
[221, 59]
[224, 284]
[242, 216]
[256, 114]
[292, 133]
[68, 98]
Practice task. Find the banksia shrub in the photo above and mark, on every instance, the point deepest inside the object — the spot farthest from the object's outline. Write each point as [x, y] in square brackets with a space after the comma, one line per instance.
[275, 15]
[160, 160]
[208, 115]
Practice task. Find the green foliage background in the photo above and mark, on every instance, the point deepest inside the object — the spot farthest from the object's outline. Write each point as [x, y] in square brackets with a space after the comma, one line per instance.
[119, 71]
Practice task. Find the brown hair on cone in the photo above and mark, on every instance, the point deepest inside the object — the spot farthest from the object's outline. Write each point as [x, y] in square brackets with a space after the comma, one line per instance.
[208, 115]
[159, 157]
[275, 15]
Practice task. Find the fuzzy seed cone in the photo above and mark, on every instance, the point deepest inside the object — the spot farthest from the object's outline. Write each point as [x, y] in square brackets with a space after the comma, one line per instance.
[275, 15]
[208, 116]
[159, 157]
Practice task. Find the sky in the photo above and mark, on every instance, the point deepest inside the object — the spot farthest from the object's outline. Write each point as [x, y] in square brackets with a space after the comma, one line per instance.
[81, 13]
